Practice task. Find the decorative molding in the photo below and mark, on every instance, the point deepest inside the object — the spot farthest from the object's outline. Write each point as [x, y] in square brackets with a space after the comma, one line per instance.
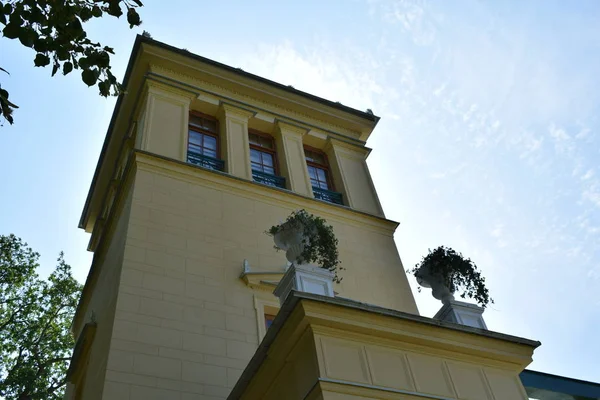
[350, 149]
[285, 127]
[262, 280]
[228, 110]
[266, 281]
[163, 89]
[199, 83]
[262, 307]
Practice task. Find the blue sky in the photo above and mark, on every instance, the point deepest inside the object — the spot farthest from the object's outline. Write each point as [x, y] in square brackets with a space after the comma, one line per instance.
[488, 143]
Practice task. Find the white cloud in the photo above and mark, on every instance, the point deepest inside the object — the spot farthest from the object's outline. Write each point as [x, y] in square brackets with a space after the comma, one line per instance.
[483, 146]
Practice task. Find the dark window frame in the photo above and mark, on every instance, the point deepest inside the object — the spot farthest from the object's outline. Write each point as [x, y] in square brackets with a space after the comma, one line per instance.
[272, 151]
[205, 131]
[325, 166]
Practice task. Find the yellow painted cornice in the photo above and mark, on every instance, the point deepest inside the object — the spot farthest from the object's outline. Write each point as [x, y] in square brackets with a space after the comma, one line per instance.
[403, 331]
[348, 148]
[285, 127]
[262, 280]
[306, 322]
[230, 110]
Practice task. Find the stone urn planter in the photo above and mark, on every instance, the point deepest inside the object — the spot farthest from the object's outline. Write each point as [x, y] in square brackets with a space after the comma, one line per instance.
[290, 238]
[306, 240]
[445, 271]
[437, 283]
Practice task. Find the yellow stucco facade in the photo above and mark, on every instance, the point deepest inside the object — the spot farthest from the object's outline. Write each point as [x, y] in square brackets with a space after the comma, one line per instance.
[175, 314]
[321, 348]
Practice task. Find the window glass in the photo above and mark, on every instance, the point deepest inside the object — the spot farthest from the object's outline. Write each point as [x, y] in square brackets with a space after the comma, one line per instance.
[315, 157]
[210, 125]
[196, 121]
[321, 175]
[199, 122]
[195, 138]
[255, 156]
[269, 320]
[202, 144]
[318, 177]
[267, 159]
[210, 142]
[254, 139]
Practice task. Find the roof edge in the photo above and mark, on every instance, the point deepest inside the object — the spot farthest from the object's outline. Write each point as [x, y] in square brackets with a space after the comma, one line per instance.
[107, 138]
[288, 88]
[139, 40]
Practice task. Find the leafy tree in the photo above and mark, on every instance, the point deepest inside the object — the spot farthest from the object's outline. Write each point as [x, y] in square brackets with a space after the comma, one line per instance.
[35, 317]
[54, 30]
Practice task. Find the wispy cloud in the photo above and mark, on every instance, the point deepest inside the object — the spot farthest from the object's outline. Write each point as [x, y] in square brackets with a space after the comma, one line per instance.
[487, 144]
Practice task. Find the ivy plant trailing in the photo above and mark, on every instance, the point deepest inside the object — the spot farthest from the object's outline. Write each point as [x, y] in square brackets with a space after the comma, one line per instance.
[457, 272]
[320, 243]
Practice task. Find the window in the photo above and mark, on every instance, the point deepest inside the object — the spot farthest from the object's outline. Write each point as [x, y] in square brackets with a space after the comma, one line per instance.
[266, 310]
[264, 160]
[320, 177]
[203, 142]
[269, 318]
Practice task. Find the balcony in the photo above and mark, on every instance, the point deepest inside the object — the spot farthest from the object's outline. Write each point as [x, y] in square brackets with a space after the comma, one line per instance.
[327, 348]
[268, 179]
[328, 195]
[205, 161]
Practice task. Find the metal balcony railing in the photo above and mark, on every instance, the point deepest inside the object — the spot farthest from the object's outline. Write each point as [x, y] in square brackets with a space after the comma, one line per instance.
[205, 161]
[268, 179]
[328, 195]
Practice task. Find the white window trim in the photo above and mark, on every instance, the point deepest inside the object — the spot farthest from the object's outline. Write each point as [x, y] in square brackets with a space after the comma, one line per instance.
[264, 306]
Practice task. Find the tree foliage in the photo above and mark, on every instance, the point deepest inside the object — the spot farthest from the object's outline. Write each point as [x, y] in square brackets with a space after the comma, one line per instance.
[457, 272]
[53, 29]
[35, 317]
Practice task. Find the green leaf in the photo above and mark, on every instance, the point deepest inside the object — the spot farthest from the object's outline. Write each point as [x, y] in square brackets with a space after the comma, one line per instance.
[85, 14]
[89, 77]
[62, 54]
[96, 11]
[114, 8]
[133, 18]
[67, 67]
[27, 36]
[104, 87]
[11, 31]
[83, 62]
[55, 68]
[2, 18]
[41, 45]
[41, 60]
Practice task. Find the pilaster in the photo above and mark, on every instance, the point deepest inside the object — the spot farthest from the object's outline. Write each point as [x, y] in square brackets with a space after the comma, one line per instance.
[351, 175]
[292, 161]
[233, 123]
[165, 120]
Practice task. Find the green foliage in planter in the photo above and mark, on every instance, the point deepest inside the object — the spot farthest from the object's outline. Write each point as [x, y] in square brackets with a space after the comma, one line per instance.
[320, 243]
[457, 272]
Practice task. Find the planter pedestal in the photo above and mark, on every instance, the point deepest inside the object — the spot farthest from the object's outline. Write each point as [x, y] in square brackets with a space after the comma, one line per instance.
[305, 278]
[462, 313]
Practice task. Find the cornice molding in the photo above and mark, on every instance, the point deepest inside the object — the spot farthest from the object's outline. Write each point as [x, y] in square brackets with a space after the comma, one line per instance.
[226, 92]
